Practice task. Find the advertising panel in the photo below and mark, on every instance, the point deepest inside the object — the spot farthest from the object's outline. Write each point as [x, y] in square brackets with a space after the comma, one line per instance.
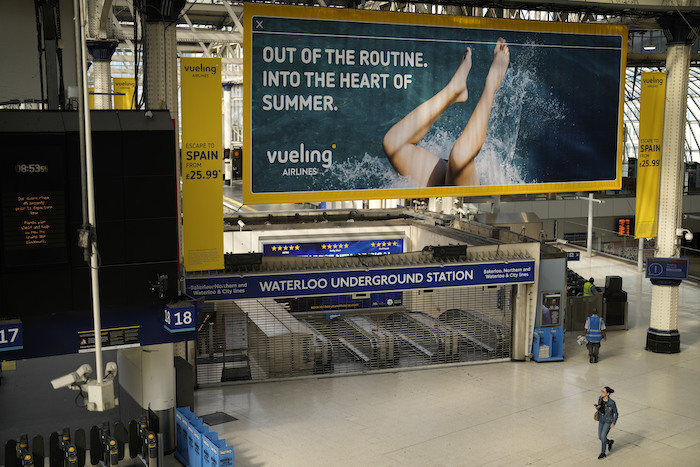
[354, 104]
[651, 131]
[124, 93]
[335, 248]
[202, 163]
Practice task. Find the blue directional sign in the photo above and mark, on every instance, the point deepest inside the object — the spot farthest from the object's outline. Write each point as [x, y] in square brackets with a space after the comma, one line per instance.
[667, 268]
[11, 335]
[373, 280]
[573, 255]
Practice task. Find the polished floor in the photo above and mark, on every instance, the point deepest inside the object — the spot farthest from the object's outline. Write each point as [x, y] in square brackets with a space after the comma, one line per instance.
[495, 414]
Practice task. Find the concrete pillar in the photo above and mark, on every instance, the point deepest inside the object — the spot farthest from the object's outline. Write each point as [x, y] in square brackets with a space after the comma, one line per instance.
[147, 373]
[663, 335]
[101, 52]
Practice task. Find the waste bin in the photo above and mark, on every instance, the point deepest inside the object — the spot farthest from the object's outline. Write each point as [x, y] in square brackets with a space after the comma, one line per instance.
[614, 303]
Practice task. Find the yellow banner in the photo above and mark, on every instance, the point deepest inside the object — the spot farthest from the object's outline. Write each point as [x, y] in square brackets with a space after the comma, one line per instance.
[123, 93]
[651, 129]
[202, 163]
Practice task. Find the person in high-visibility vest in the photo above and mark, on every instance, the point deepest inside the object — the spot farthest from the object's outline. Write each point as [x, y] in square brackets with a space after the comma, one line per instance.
[594, 331]
[588, 288]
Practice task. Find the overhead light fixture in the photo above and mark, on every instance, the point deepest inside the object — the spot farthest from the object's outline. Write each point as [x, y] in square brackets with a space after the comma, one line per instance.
[649, 45]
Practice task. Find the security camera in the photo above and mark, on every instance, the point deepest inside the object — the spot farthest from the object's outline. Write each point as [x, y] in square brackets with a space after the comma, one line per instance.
[79, 375]
[687, 234]
[241, 223]
[110, 370]
[149, 114]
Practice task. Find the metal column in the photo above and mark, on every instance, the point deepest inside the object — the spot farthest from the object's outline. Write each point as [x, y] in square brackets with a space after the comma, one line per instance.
[102, 52]
[663, 335]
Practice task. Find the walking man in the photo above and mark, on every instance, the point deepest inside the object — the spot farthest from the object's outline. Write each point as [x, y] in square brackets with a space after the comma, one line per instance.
[594, 331]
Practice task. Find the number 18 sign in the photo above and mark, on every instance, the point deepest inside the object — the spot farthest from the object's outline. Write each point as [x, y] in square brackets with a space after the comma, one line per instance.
[179, 317]
[11, 335]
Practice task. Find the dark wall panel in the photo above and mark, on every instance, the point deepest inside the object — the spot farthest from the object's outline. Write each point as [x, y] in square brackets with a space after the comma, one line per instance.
[47, 285]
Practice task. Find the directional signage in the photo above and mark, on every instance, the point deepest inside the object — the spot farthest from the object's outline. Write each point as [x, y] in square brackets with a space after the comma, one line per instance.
[667, 271]
[374, 280]
[573, 255]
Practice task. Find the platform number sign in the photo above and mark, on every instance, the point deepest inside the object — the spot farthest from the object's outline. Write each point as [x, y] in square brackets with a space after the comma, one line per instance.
[11, 335]
[179, 319]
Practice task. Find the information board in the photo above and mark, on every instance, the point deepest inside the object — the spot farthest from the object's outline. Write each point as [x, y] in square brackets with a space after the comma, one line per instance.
[667, 268]
[33, 206]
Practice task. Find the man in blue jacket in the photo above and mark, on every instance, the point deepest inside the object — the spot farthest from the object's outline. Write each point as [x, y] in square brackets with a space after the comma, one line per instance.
[594, 332]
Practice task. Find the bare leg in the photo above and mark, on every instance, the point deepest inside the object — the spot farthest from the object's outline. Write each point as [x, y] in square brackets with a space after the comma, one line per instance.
[461, 170]
[400, 141]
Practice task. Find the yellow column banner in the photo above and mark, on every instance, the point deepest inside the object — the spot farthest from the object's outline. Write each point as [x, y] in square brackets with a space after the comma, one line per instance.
[123, 93]
[651, 129]
[202, 163]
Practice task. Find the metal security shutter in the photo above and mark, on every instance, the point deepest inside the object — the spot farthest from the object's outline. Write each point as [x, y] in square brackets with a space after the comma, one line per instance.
[259, 339]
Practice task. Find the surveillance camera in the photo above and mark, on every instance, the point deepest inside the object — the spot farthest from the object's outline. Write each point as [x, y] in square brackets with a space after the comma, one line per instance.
[241, 223]
[81, 374]
[149, 114]
[687, 234]
[110, 370]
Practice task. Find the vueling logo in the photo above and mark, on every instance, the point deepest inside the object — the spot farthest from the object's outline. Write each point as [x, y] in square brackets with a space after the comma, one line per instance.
[302, 155]
[201, 69]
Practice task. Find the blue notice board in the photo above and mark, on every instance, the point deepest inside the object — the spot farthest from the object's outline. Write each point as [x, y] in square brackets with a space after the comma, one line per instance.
[667, 268]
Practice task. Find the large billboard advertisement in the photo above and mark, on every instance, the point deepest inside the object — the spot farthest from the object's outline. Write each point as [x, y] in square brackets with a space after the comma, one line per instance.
[353, 104]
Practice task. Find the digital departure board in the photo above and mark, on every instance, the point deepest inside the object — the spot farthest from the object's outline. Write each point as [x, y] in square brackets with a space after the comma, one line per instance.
[625, 227]
[33, 206]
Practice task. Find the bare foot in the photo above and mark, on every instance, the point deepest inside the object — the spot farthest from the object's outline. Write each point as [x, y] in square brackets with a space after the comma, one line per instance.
[501, 59]
[458, 84]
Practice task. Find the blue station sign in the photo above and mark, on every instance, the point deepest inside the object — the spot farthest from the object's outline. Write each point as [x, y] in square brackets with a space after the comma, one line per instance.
[374, 280]
[573, 256]
[667, 268]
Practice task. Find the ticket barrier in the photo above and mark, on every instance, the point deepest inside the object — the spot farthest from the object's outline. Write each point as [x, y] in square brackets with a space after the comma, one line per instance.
[107, 447]
[437, 341]
[197, 445]
[17, 452]
[143, 442]
[368, 342]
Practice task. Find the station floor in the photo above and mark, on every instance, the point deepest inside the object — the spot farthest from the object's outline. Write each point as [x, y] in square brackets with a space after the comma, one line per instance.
[494, 414]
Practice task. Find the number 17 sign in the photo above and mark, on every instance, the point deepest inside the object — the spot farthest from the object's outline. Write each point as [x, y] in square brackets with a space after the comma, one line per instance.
[11, 335]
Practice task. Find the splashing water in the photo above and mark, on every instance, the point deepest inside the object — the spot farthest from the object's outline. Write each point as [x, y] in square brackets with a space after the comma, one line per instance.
[503, 159]
[370, 172]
